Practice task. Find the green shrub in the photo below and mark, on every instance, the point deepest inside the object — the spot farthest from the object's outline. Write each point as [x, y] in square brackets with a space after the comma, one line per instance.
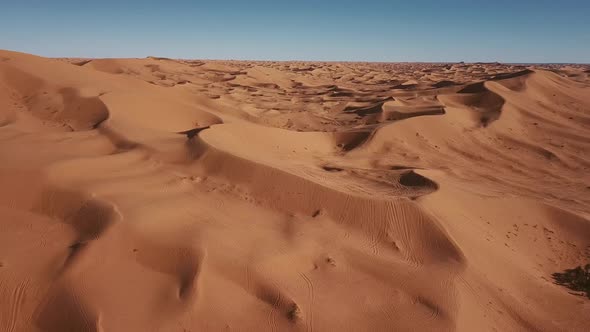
[577, 279]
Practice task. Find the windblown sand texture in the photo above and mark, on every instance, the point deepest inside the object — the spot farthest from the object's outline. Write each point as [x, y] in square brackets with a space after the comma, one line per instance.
[174, 195]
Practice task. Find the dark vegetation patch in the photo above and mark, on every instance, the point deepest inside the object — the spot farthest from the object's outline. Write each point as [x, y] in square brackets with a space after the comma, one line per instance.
[576, 279]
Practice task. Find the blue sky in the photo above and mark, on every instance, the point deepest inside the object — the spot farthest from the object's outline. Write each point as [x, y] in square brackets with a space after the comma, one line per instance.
[369, 30]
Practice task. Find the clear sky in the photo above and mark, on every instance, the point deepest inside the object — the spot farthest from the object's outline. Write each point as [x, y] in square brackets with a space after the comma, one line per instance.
[362, 30]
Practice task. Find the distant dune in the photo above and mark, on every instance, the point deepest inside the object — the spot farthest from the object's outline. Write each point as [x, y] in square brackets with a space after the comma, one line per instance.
[184, 195]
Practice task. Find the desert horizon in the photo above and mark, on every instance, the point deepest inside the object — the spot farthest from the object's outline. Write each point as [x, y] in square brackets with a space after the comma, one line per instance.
[190, 195]
[153, 185]
[75, 59]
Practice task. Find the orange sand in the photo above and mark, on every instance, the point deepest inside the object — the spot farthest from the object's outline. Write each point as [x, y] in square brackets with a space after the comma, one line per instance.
[174, 195]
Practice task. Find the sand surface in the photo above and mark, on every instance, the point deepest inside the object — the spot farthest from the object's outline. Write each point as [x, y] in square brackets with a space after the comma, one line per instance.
[174, 195]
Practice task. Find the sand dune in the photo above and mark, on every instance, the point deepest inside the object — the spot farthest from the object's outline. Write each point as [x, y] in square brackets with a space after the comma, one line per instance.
[181, 195]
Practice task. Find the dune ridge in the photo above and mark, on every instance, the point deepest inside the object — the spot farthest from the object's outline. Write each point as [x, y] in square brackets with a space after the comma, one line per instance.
[185, 195]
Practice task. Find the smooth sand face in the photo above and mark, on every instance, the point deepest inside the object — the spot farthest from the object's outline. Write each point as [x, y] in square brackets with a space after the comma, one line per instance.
[167, 195]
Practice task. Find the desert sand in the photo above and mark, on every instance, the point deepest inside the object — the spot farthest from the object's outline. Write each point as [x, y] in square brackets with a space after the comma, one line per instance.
[180, 195]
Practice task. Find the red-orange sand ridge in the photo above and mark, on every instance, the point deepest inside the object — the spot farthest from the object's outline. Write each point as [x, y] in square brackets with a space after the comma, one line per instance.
[178, 195]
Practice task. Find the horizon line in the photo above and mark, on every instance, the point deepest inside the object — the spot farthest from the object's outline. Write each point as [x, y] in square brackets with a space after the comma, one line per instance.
[305, 60]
